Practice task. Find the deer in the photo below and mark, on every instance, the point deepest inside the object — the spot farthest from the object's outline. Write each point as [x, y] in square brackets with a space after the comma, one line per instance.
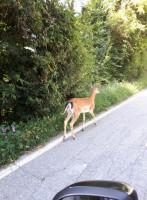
[75, 106]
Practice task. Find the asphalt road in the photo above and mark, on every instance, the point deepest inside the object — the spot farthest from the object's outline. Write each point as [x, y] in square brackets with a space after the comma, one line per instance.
[114, 149]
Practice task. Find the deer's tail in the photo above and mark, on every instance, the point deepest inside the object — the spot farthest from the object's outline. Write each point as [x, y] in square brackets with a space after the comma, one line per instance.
[68, 108]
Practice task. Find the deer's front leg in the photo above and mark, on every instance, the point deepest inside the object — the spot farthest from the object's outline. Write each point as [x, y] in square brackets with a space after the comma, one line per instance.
[83, 121]
[93, 117]
[65, 124]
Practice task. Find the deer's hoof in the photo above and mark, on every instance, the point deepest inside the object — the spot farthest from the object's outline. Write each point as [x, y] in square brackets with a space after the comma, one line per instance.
[64, 138]
[73, 137]
[82, 129]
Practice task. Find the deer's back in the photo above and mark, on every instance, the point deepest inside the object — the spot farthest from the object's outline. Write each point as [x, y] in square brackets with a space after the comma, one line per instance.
[82, 104]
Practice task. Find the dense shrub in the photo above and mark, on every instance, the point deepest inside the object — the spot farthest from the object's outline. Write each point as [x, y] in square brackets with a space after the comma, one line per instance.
[10, 143]
[41, 56]
[119, 38]
[17, 139]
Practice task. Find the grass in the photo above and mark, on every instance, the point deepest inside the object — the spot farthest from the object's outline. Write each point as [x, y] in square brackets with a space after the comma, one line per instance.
[28, 136]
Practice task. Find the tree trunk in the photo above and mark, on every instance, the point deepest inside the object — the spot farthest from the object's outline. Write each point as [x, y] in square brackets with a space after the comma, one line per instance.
[70, 4]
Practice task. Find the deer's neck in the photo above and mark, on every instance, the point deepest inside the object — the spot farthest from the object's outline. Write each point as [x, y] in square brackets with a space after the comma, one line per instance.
[93, 95]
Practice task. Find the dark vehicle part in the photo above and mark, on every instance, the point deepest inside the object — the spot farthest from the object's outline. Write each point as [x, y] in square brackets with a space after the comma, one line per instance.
[97, 190]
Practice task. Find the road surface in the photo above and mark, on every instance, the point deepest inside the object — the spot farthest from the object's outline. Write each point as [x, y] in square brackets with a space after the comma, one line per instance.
[114, 149]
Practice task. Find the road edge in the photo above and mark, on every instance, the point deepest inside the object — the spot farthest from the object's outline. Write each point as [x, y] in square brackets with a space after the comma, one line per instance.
[58, 139]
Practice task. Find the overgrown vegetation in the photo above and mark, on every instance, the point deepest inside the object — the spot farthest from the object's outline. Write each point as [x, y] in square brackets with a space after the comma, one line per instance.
[118, 32]
[18, 139]
[48, 55]
[41, 56]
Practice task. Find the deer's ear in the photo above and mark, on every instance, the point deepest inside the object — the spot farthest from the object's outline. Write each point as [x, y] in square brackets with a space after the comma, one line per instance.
[91, 86]
[98, 86]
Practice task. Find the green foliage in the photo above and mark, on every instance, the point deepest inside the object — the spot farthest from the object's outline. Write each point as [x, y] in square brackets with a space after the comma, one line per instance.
[47, 54]
[113, 94]
[128, 23]
[118, 34]
[10, 143]
[142, 81]
[17, 139]
[41, 56]
[138, 63]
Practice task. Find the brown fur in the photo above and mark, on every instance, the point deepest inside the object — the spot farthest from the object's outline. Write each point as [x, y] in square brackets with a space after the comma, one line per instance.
[80, 105]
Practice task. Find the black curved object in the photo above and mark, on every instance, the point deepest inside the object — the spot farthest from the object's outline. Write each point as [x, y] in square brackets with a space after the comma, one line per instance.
[97, 190]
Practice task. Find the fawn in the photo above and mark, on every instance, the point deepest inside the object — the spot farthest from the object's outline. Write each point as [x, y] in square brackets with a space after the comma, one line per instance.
[75, 106]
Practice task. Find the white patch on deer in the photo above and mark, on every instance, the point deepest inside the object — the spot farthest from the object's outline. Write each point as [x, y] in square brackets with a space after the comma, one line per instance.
[69, 109]
[85, 109]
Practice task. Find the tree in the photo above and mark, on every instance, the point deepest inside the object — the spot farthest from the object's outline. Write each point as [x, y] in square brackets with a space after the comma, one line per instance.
[70, 4]
[118, 30]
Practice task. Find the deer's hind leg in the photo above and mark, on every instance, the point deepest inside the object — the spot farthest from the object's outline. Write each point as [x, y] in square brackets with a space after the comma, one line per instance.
[65, 124]
[75, 117]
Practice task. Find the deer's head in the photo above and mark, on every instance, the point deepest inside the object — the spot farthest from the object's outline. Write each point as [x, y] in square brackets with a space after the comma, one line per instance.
[95, 89]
